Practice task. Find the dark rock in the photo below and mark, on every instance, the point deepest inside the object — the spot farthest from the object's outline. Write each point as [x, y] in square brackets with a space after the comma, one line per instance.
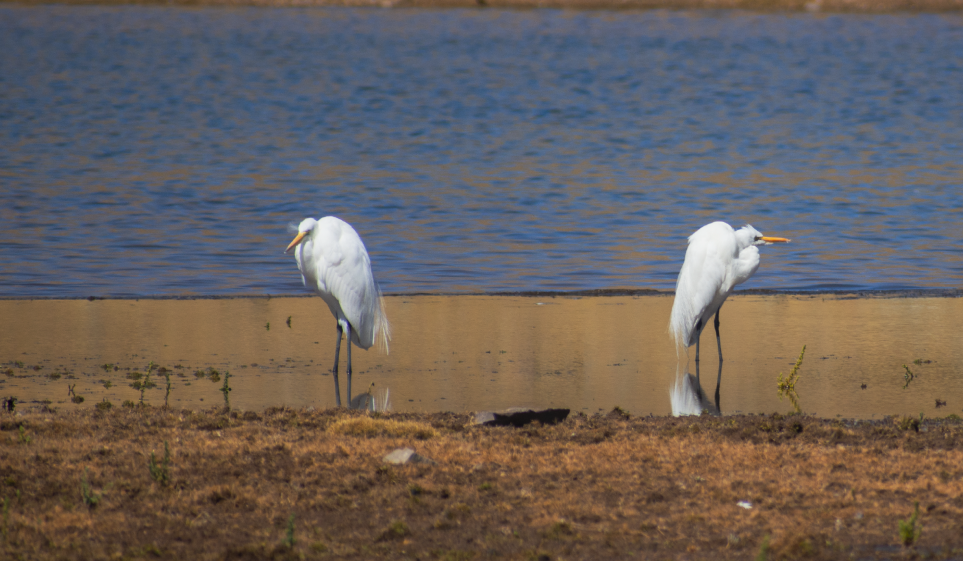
[520, 416]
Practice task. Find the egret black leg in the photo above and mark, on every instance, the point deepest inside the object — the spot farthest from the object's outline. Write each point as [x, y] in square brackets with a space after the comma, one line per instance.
[334, 371]
[347, 332]
[719, 385]
[718, 339]
[697, 359]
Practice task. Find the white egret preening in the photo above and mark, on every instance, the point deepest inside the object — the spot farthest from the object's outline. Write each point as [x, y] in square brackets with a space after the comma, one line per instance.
[334, 262]
[717, 260]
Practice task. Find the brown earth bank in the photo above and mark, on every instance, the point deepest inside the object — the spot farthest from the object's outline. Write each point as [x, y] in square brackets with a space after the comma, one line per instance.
[304, 484]
[831, 6]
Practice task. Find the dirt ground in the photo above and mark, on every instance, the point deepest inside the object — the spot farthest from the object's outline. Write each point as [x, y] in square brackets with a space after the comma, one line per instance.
[301, 484]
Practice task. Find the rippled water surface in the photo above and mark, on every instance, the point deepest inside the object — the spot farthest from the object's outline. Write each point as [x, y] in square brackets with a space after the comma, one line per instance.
[152, 151]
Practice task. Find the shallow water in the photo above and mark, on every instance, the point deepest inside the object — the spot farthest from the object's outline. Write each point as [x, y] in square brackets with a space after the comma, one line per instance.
[154, 150]
[467, 353]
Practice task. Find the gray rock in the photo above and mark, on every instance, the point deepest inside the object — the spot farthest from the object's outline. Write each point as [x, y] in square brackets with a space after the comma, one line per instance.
[520, 416]
[403, 456]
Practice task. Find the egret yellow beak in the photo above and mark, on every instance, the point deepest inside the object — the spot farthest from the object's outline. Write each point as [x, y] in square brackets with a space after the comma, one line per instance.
[764, 238]
[296, 241]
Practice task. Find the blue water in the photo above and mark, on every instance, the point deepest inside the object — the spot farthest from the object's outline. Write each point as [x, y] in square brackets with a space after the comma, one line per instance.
[158, 151]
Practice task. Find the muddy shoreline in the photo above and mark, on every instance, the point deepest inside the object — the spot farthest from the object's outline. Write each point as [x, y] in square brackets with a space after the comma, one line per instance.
[306, 484]
[823, 6]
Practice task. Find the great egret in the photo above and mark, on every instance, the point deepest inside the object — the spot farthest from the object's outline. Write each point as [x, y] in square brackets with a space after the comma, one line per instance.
[718, 259]
[334, 262]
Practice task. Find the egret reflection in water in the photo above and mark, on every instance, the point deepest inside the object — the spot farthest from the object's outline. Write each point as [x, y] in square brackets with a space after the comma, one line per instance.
[688, 398]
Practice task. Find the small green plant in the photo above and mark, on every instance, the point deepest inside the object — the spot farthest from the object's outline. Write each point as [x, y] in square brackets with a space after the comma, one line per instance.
[128, 404]
[18, 364]
[909, 530]
[289, 540]
[23, 436]
[212, 374]
[107, 367]
[6, 518]
[167, 376]
[104, 405]
[787, 387]
[289, 322]
[908, 376]
[763, 549]
[161, 473]
[107, 384]
[226, 390]
[90, 498]
[143, 384]
[396, 530]
[78, 399]
[559, 529]
[267, 326]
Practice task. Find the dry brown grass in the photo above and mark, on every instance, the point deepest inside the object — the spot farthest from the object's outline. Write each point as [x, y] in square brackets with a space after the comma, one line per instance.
[602, 487]
[370, 427]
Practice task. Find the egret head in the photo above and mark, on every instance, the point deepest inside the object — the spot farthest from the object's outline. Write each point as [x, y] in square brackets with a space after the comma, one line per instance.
[756, 238]
[304, 229]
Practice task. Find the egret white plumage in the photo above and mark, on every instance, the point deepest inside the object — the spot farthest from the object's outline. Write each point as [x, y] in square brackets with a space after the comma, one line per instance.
[334, 262]
[717, 260]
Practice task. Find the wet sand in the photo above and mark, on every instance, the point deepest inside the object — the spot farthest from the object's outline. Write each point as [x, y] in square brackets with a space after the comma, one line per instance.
[826, 6]
[469, 353]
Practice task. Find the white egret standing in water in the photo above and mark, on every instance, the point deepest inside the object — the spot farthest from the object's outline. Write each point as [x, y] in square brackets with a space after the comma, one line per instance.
[334, 262]
[718, 258]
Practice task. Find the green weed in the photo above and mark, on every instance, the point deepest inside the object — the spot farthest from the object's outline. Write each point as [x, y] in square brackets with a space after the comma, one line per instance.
[167, 376]
[6, 518]
[289, 540]
[145, 384]
[395, 531]
[104, 405]
[90, 498]
[908, 376]
[161, 473]
[787, 387]
[23, 436]
[909, 530]
[763, 549]
[559, 529]
[226, 390]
